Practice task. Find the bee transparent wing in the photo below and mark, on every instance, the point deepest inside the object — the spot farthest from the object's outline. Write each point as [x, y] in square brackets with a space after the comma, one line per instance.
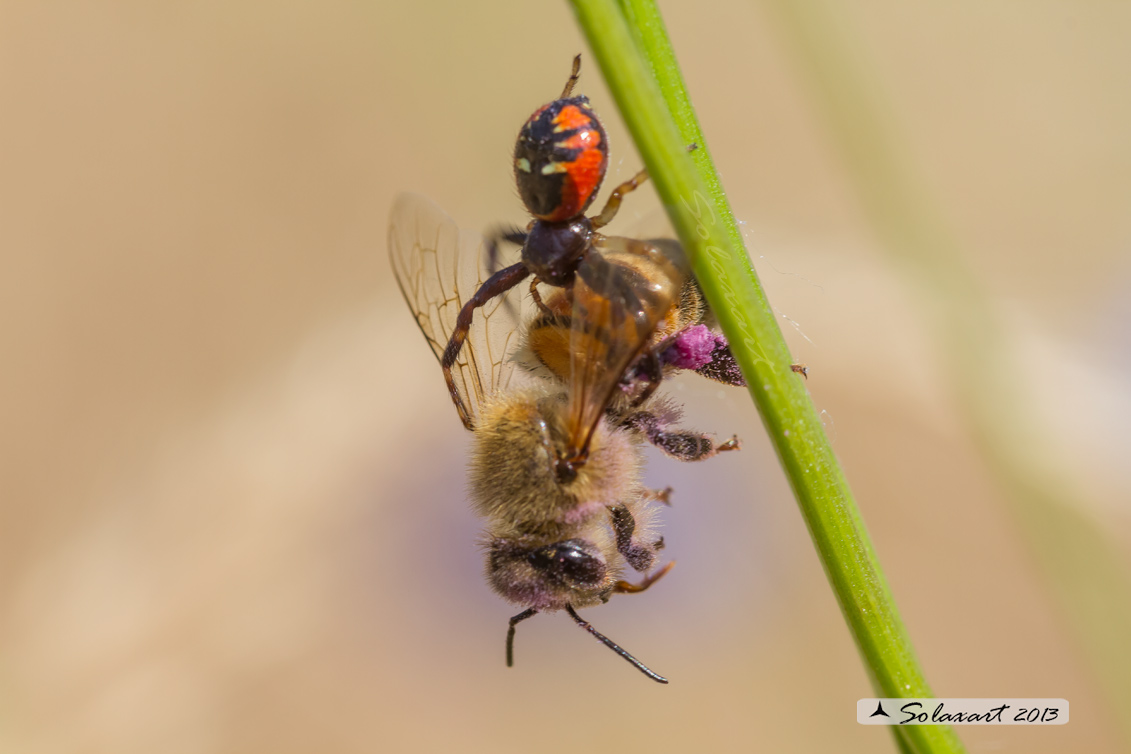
[439, 267]
[620, 294]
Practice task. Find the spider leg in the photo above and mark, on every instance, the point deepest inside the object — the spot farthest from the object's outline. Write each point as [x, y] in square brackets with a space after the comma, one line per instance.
[613, 203]
[496, 285]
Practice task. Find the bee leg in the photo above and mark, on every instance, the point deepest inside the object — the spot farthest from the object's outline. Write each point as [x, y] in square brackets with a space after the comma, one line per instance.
[722, 367]
[683, 445]
[639, 556]
[510, 632]
[613, 203]
[613, 646]
[651, 370]
[496, 285]
[624, 587]
[801, 369]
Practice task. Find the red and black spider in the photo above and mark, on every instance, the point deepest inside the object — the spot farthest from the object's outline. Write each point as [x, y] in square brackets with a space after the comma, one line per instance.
[560, 159]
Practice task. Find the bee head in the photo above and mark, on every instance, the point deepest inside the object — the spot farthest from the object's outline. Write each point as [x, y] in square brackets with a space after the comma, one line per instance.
[549, 576]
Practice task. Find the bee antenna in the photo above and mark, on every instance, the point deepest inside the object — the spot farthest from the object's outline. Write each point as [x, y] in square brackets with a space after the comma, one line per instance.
[606, 641]
[510, 632]
[574, 75]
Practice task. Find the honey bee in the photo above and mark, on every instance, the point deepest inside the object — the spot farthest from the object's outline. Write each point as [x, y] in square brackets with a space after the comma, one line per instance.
[555, 473]
[680, 341]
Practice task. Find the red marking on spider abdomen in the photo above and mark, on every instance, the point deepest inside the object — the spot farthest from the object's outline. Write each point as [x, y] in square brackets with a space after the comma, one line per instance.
[583, 176]
[572, 117]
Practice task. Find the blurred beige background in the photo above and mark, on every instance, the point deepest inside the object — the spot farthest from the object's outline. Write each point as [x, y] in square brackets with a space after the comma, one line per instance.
[231, 484]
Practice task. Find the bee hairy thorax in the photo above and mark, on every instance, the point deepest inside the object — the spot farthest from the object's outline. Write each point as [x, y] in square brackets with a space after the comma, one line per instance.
[515, 486]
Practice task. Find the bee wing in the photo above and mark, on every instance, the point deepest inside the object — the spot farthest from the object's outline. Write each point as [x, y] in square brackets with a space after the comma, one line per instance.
[620, 295]
[439, 267]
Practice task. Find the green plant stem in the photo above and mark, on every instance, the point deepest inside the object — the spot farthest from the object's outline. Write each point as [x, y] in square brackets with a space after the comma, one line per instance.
[635, 59]
[1082, 563]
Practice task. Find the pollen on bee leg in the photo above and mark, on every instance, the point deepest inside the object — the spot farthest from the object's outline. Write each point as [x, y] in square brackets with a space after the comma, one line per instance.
[692, 348]
[721, 365]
